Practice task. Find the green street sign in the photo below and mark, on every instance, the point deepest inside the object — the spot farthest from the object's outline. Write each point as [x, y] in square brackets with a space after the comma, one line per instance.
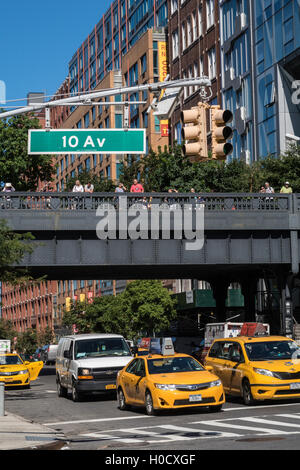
[69, 141]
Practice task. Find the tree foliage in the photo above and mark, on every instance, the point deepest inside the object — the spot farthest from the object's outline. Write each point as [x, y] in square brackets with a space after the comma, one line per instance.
[145, 307]
[162, 170]
[16, 166]
[13, 247]
[86, 176]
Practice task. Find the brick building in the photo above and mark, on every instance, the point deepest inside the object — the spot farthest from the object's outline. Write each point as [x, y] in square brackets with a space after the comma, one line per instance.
[194, 51]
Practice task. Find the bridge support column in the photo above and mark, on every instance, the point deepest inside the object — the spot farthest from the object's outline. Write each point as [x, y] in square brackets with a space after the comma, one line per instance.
[249, 290]
[220, 288]
[286, 306]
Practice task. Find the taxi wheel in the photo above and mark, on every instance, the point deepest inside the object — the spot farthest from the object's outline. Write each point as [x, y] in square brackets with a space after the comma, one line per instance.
[149, 404]
[247, 395]
[122, 400]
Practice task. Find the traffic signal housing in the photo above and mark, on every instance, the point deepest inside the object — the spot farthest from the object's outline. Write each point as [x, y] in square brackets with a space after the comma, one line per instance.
[195, 132]
[221, 132]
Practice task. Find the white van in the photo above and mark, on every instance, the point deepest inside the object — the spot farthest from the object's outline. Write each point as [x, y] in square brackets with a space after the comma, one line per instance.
[89, 363]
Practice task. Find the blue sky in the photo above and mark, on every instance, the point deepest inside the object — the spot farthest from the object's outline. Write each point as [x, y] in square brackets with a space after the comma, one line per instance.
[38, 39]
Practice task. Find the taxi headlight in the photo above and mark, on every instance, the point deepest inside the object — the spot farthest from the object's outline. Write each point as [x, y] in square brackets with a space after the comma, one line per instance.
[165, 386]
[216, 383]
[263, 372]
[24, 371]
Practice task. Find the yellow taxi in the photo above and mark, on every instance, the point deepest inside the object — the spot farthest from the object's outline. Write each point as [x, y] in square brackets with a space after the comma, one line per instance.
[257, 368]
[14, 372]
[168, 380]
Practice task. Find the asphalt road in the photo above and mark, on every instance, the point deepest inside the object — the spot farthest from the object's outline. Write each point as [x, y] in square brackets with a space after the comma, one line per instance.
[97, 424]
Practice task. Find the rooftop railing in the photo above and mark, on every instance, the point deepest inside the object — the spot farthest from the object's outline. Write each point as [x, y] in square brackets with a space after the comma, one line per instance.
[210, 201]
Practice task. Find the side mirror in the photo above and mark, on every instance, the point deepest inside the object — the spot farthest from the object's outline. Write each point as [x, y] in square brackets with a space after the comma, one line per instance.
[209, 368]
[66, 354]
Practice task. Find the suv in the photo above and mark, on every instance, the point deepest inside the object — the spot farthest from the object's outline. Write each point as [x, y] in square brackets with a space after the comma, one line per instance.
[89, 363]
[257, 368]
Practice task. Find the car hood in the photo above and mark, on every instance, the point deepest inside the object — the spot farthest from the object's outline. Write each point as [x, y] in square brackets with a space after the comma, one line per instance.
[281, 365]
[186, 378]
[107, 361]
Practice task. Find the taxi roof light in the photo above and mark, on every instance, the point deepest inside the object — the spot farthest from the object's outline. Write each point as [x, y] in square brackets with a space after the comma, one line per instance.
[252, 329]
[163, 346]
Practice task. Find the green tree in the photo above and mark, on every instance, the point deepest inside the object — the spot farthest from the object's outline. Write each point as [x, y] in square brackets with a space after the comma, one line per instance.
[149, 306]
[144, 307]
[27, 342]
[286, 167]
[45, 336]
[13, 247]
[16, 166]
[7, 330]
[86, 176]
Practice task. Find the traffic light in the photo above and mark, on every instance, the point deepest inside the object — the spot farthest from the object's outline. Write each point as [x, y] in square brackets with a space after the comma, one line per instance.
[195, 132]
[220, 132]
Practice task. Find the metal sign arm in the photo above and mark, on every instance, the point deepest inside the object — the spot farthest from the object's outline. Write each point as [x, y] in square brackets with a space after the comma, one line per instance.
[74, 100]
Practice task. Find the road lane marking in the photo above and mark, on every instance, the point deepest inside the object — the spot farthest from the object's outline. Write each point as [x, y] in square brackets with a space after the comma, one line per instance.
[205, 433]
[239, 426]
[79, 421]
[107, 437]
[260, 407]
[296, 416]
[270, 422]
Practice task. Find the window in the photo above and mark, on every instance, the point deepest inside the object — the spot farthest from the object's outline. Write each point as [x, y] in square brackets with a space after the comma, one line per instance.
[200, 28]
[212, 63]
[194, 26]
[183, 35]
[175, 49]
[185, 91]
[174, 6]
[132, 367]
[190, 70]
[144, 64]
[189, 31]
[210, 17]
[86, 120]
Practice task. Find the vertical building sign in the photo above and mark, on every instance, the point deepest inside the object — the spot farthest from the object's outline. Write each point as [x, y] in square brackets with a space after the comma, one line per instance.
[163, 72]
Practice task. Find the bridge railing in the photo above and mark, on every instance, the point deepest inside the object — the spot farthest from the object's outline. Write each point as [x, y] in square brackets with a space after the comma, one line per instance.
[210, 201]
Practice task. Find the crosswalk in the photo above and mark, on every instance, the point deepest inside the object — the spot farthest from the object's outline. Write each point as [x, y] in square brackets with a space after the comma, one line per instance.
[270, 425]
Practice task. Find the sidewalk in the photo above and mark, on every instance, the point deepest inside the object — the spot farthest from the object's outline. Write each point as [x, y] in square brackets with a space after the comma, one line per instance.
[16, 433]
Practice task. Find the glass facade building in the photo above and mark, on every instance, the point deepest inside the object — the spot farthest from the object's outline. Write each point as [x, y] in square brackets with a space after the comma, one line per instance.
[260, 65]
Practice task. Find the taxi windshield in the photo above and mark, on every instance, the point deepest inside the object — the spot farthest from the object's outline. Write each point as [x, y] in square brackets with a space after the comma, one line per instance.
[10, 360]
[272, 350]
[101, 347]
[169, 365]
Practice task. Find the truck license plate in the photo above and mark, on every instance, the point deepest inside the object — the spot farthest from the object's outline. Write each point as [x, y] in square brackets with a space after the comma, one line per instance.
[110, 387]
[195, 398]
